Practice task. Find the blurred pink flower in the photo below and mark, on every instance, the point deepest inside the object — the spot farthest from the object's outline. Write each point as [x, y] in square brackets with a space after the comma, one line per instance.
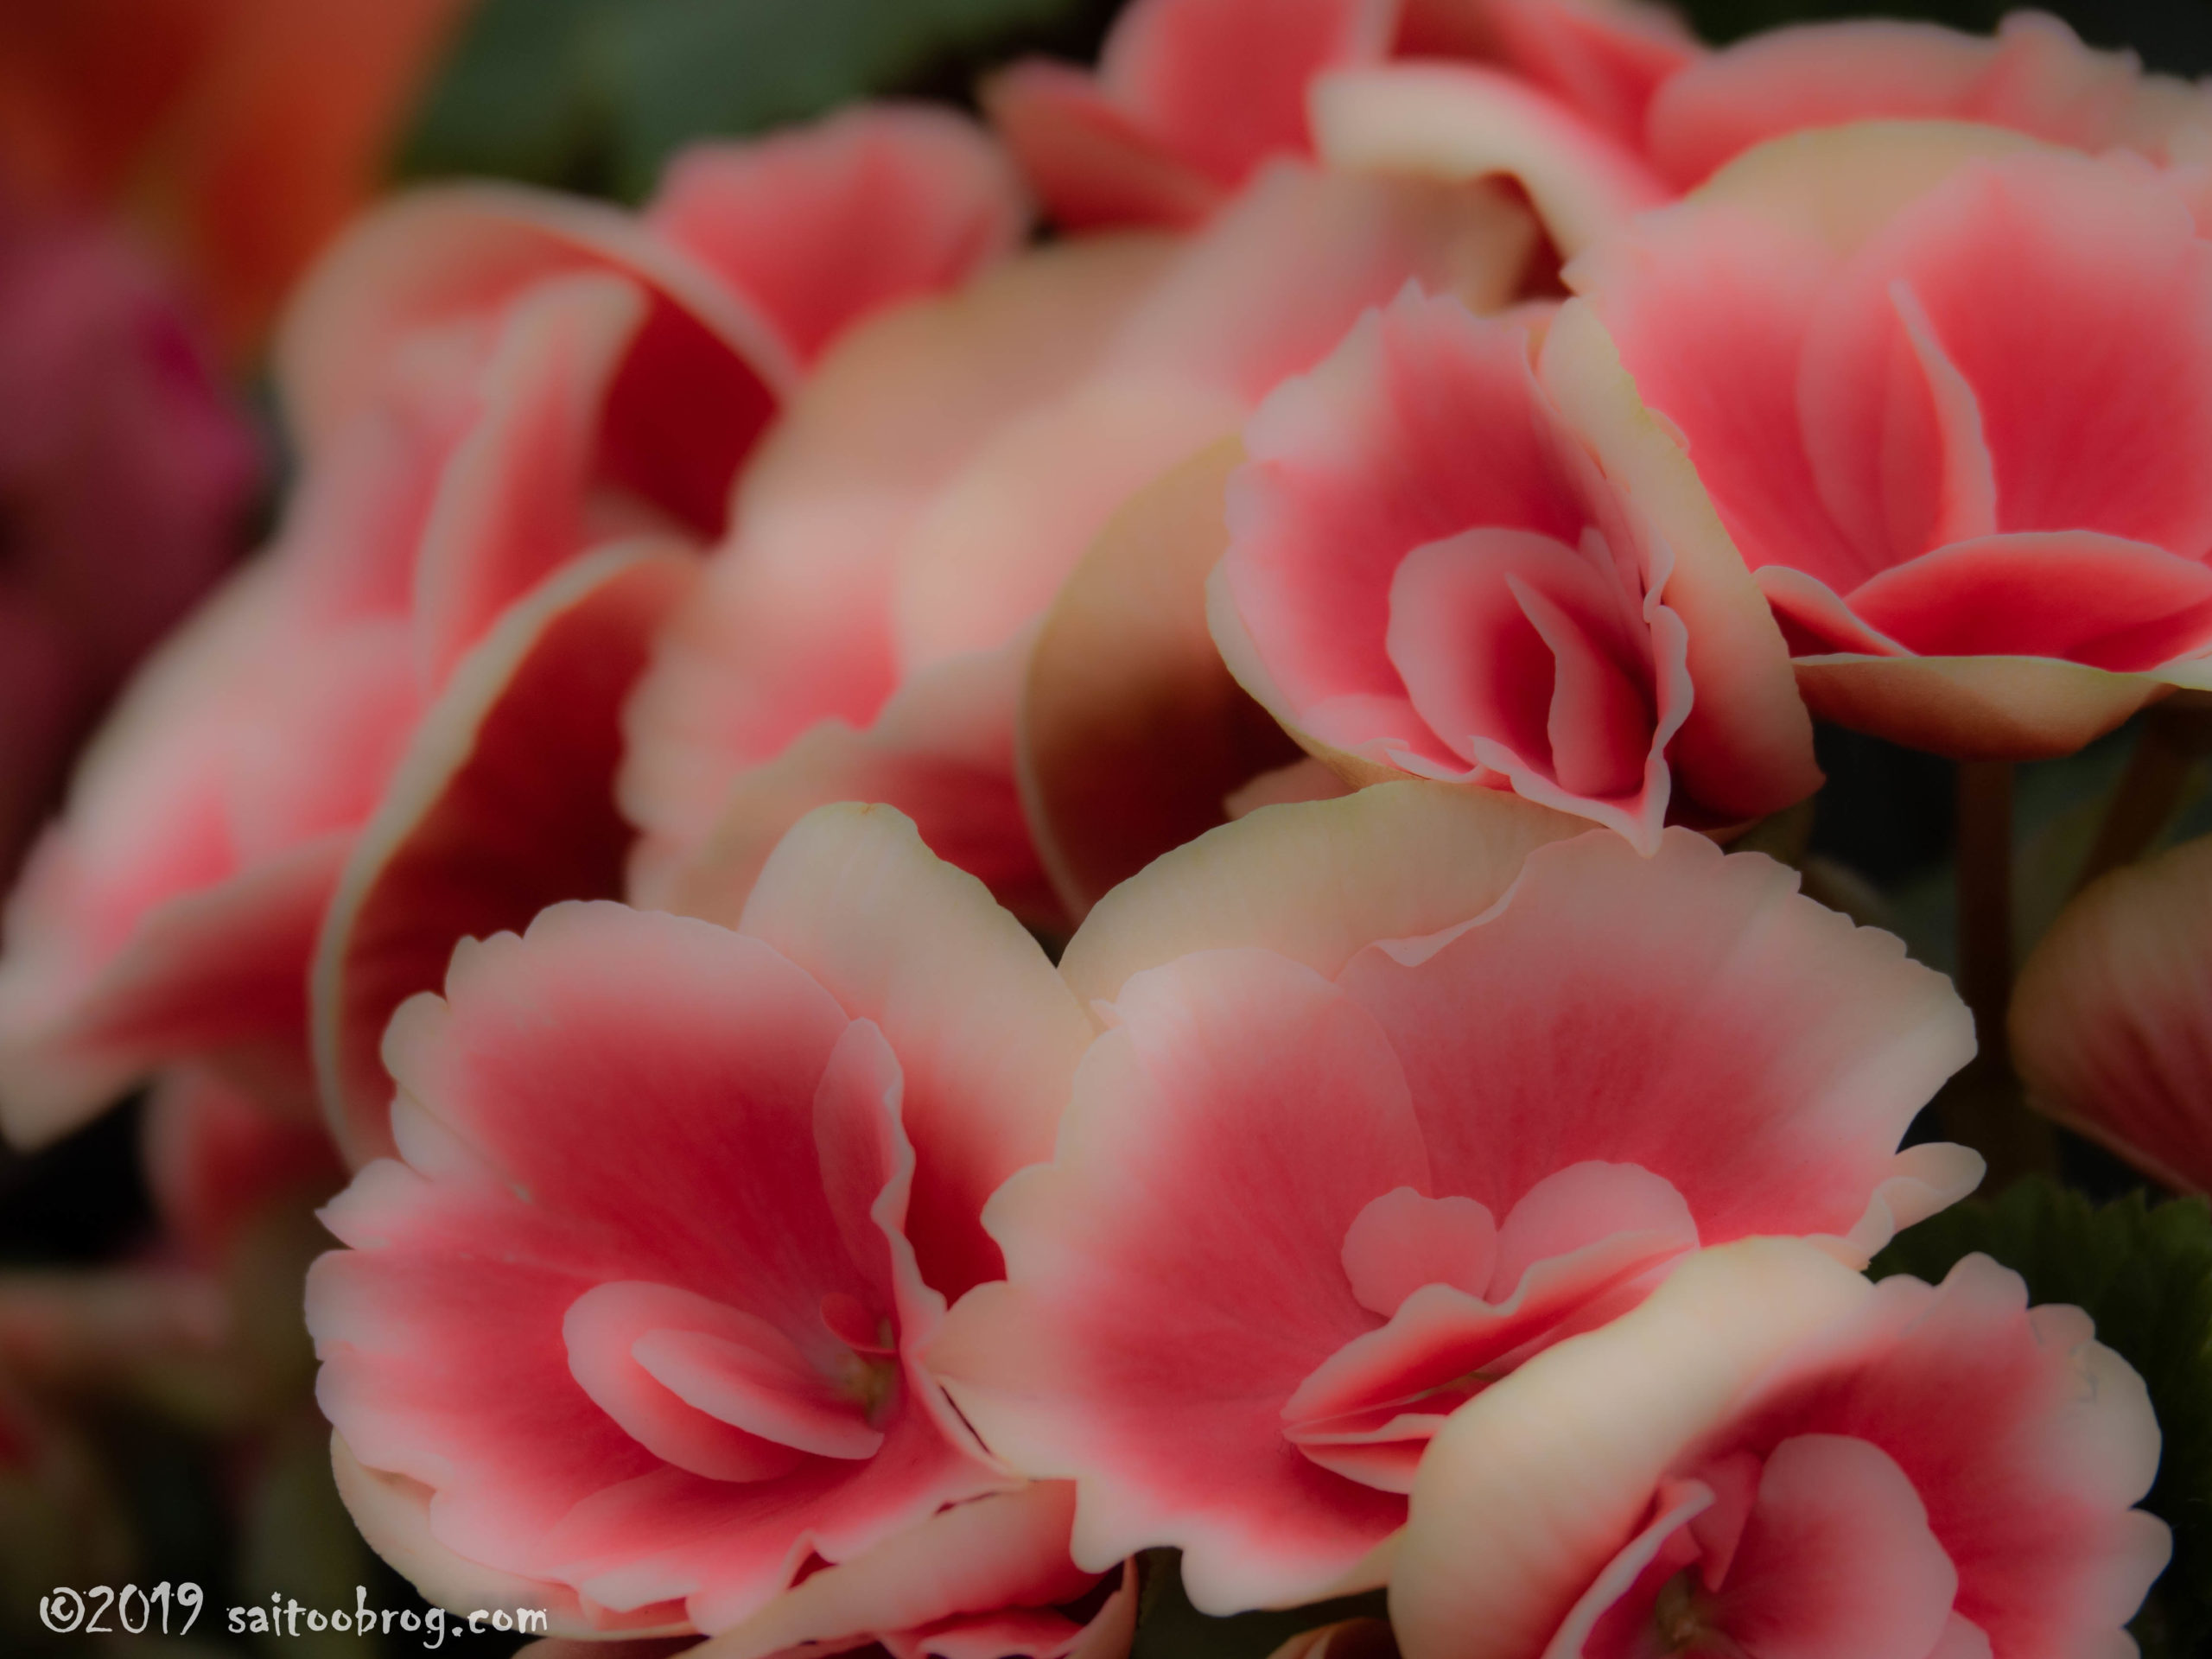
[1190, 97]
[516, 413]
[864, 630]
[1430, 572]
[634, 1330]
[1774, 1455]
[1946, 388]
[125, 474]
[1387, 1094]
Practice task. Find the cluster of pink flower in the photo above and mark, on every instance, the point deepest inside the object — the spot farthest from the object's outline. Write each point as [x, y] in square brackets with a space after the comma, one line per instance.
[1344, 584]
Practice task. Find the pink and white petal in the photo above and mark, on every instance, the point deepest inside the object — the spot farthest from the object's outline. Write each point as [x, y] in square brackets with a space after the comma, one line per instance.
[731, 1550]
[1222, 84]
[1315, 881]
[707, 372]
[1840, 187]
[1976, 707]
[1007, 1550]
[2091, 429]
[2112, 1020]
[1746, 747]
[503, 806]
[1223, 315]
[393, 1514]
[1605, 58]
[1920, 1180]
[1836, 1557]
[1689, 289]
[2025, 1440]
[818, 226]
[1459, 122]
[2035, 76]
[215, 973]
[941, 751]
[1815, 621]
[792, 625]
[700, 1182]
[1091, 162]
[1132, 732]
[1175, 1271]
[510, 503]
[1752, 1047]
[2123, 605]
[1542, 1479]
[1423, 423]
[988, 1036]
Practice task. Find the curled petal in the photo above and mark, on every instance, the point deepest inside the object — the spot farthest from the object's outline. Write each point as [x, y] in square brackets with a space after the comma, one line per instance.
[502, 806]
[1456, 122]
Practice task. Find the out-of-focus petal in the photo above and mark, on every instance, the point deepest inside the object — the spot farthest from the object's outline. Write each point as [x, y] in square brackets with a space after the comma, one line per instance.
[821, 226]
[503, 806]
[1133, 734]
[2112, 1021]
[704, 375]
[2034, 76]
[1456, 121]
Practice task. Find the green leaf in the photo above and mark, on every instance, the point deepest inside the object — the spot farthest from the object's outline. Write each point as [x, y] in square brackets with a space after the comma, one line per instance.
[1168, 1627]
[595, 94]
[2144, 1273]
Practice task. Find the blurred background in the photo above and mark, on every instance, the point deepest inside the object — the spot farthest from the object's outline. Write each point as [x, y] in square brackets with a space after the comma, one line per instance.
[166, 167]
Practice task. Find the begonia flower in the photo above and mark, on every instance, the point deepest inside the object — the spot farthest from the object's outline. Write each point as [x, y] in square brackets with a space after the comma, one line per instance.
[864, 631]
[515, 411]
[1387, 1093]
[631, 1330]
[241, 133]
[126, 473]
[1775, 1456]
[2112, 1018]
[1429, 572]
[1190, 97]
[1946, 387]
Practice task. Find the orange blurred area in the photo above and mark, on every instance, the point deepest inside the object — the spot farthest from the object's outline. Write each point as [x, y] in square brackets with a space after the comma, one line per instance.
[238, 133]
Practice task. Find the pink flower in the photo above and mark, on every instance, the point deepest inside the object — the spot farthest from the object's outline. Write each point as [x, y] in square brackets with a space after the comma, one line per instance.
[2112, 1018]
[1387, 1095]
[1773, 1455]
[126, 474]
[635, 1326]
[1192, 96]
[1946, 388]
[864, 630]
[1431, 572]
[516, 413]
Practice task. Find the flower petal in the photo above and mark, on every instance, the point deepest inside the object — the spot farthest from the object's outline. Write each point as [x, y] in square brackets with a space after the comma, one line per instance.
[820, 226]
[1750, 1046]
[2109, 1023]
[1175, 1271]
[501, 807]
